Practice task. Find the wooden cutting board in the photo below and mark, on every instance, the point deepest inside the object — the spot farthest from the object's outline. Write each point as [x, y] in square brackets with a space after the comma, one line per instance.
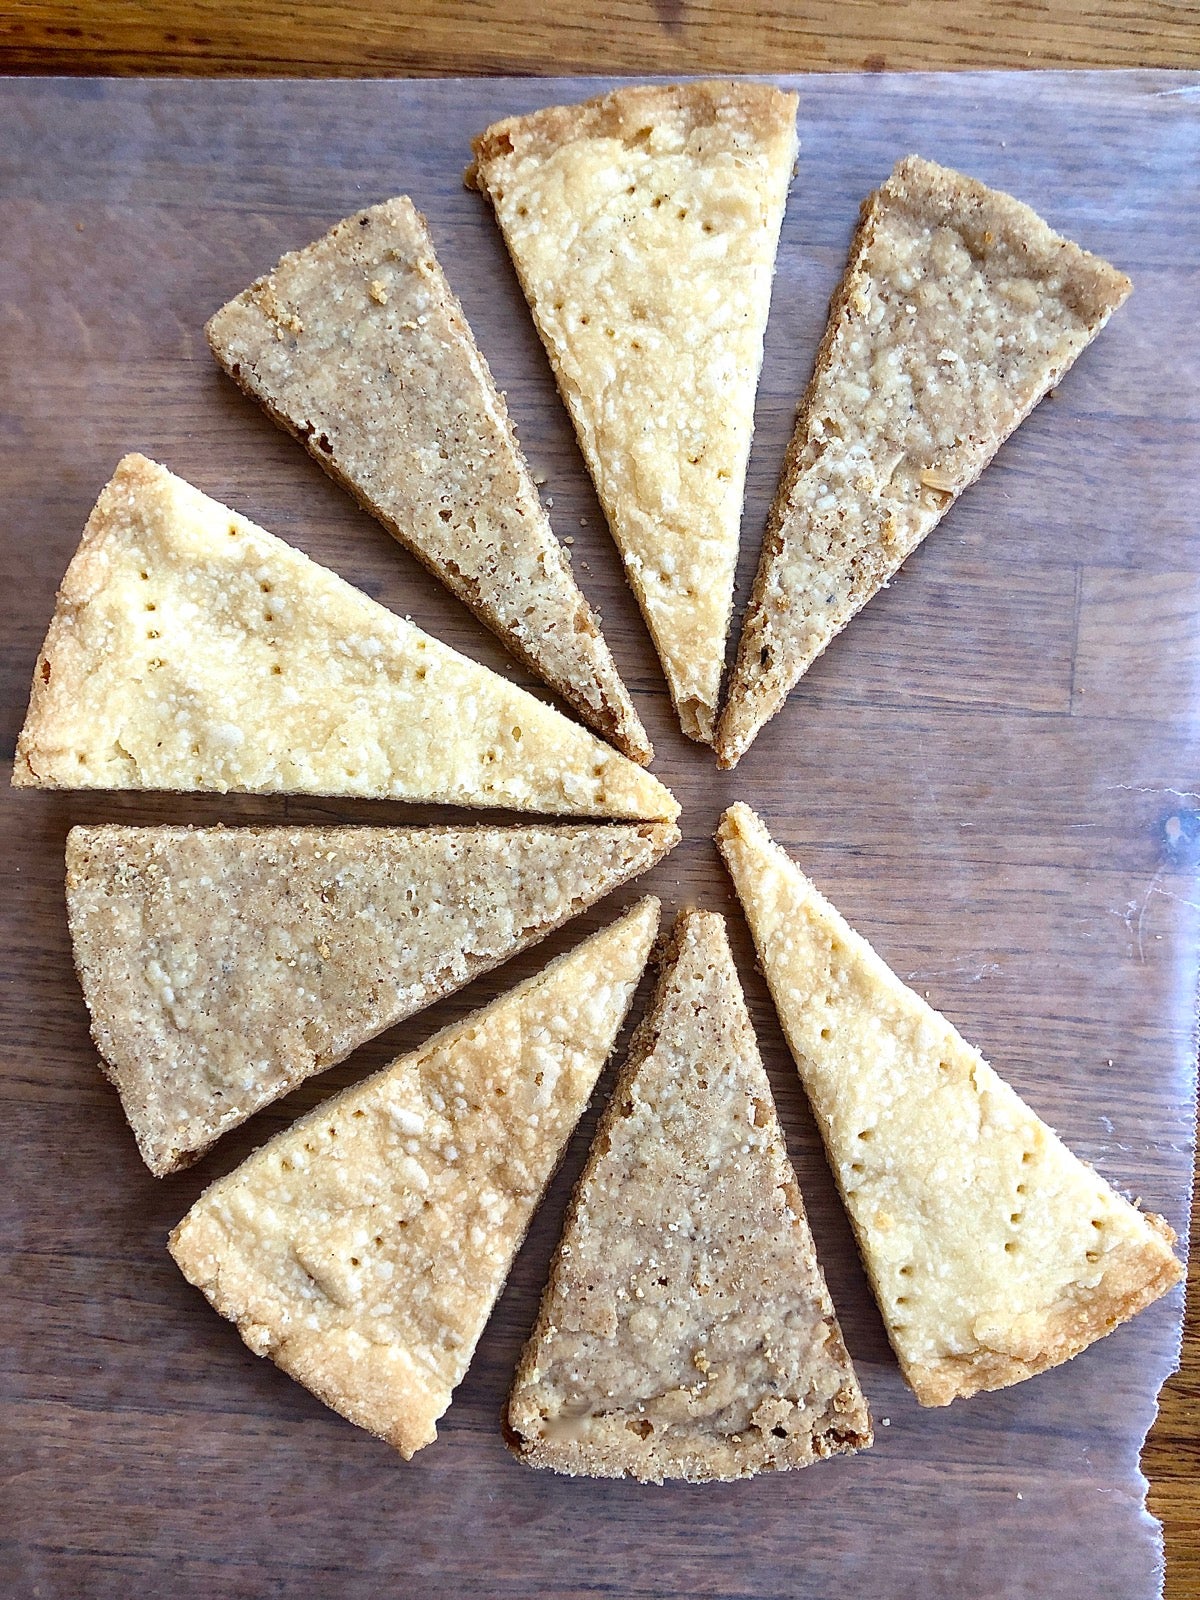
[992, 774]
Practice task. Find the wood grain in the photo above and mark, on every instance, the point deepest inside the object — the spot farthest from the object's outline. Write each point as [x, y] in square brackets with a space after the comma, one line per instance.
[365, 38]
[992, 773]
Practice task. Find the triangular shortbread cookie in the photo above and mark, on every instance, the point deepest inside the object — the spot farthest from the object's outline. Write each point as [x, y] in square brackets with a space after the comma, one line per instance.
[993, 1251]
[358, 346]
[643, 226]
[364, 1248]
[223, 967]
[958, 311]
[686, 1330]
[189, 649]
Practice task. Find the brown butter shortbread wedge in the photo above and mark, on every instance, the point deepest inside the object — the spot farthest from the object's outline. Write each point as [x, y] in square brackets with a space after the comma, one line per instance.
[222, 967]
[358, 346]
[643, 227]
[686, 1330]
[993, 1252]
[959, 309]
[364, 1248]
[191, 650]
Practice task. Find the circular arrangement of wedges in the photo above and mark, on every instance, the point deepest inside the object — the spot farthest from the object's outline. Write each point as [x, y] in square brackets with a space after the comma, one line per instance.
[686, 1329]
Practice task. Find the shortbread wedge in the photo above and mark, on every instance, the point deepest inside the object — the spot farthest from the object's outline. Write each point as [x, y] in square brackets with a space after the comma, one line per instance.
[189, 649]
[993, 1252]
[686, 1330]
[643, 226]
[358, 346]
[958, 311]
[363, 1249]
[222, 967]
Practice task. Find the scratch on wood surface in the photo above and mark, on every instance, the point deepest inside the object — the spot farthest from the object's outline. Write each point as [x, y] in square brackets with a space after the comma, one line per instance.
[958, 970]
[1152, 888]
[1153, 788]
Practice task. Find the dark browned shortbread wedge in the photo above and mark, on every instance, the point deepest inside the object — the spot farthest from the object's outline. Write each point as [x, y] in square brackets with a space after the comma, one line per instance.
[363, 1249]
[959, 309]
[222, 966]
[358, 346]
[686, 1330]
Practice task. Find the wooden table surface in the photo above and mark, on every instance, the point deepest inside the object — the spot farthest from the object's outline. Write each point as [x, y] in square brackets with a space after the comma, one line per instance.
[311, 39]
[364, 38]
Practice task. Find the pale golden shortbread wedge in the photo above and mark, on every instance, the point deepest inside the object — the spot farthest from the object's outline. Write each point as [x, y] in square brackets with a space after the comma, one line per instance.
[363, 1249]
[686, 1330]
[189, 649]
[358, 346]
[643, 226]
[222, 967]
[993, 1252]
[959, 309]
